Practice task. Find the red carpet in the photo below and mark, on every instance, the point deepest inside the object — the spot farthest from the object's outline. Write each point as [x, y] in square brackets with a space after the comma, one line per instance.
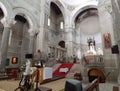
[62, 74]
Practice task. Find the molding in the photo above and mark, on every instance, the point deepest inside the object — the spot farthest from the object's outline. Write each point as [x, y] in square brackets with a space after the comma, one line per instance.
[31, 18]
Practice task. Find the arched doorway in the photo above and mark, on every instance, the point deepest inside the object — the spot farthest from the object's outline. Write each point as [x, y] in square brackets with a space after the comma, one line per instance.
[61, 51]
[96, 73]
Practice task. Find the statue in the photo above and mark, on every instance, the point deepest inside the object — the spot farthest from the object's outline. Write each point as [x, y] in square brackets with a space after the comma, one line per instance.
[25, 84]
[91, 42]
[27, 69]
[91, 45]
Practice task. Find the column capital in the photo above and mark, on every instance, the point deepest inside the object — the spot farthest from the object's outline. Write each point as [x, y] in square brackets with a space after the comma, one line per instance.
[31, 32]
[8, 22]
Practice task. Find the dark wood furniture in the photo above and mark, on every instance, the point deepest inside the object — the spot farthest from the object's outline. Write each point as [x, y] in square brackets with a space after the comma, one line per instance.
[115, 88]
[93, 86]
[78, 76]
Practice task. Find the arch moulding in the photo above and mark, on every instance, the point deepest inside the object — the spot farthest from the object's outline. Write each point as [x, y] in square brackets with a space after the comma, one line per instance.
[80, 10]
[6, 8]
[60, 6]
[32, 21]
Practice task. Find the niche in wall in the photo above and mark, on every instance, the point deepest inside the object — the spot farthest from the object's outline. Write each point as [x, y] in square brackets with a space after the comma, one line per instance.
[61, 44]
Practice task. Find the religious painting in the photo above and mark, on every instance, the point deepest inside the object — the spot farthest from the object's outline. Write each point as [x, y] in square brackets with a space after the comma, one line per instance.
[14, 60]
[107, 40]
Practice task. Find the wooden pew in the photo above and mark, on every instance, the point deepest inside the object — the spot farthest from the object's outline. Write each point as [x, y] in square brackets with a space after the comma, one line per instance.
[94, 85]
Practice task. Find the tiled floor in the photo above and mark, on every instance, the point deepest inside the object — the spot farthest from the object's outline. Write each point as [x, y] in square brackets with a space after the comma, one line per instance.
[10, 85]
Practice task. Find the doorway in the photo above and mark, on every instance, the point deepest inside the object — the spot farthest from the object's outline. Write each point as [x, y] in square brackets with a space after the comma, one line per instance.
[96, 73]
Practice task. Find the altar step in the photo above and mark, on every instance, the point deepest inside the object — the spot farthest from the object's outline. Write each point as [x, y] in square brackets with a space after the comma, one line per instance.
[52, 79]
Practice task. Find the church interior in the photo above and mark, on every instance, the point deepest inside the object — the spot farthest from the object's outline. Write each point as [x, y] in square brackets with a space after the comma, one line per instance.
[59, 45]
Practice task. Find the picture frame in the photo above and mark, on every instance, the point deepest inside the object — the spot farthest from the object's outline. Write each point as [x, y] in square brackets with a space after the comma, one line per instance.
[107, 40]
[14, 60]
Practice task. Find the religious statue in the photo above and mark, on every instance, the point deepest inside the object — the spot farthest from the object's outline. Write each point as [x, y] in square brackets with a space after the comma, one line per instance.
[91, 42]
[27, 69]
[91, 45]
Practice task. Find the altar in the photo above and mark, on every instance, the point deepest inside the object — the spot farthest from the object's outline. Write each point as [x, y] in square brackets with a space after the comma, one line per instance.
[45, 73]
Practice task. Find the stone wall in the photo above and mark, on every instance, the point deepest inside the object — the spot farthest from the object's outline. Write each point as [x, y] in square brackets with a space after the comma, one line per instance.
[106, 24]
[116, 24]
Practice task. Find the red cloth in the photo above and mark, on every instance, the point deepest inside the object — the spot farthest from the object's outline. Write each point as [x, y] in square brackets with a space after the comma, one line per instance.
[62, 74]
[13, 74]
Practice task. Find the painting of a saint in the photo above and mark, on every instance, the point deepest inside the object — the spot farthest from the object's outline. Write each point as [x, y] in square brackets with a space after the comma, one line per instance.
[107, 40]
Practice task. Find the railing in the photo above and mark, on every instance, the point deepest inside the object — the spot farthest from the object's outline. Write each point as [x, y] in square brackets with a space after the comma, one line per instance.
[92, 60]
[93, 86]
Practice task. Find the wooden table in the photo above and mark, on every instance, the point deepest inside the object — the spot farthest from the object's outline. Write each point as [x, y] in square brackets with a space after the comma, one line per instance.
[45, 89]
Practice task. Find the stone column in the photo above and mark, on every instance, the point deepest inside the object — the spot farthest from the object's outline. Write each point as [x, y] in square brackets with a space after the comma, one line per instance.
[40, 36]
[31, 45]
[5, 40]
[69, 41]
[78, 40]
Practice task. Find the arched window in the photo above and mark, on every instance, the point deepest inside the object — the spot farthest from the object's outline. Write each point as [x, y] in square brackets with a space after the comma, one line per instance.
[48, 21]
[61, 25]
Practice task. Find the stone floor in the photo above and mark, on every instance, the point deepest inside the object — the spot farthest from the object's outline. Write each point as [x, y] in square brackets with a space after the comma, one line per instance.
[108, 86]
[10, 85]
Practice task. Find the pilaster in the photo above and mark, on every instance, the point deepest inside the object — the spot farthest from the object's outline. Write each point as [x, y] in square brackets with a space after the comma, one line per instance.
[31, 43]
[40, 36]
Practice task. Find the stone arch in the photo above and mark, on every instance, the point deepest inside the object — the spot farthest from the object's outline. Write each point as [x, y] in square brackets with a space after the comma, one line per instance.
[96, 73]
[4, 5]
[28, 16]
[82, 9]
[60, 6]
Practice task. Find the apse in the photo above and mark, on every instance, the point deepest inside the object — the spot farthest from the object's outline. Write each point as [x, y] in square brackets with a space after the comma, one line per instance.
[87, 22]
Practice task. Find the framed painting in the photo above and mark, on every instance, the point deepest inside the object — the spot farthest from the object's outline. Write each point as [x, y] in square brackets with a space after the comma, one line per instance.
[107, 40]
[14, 60]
